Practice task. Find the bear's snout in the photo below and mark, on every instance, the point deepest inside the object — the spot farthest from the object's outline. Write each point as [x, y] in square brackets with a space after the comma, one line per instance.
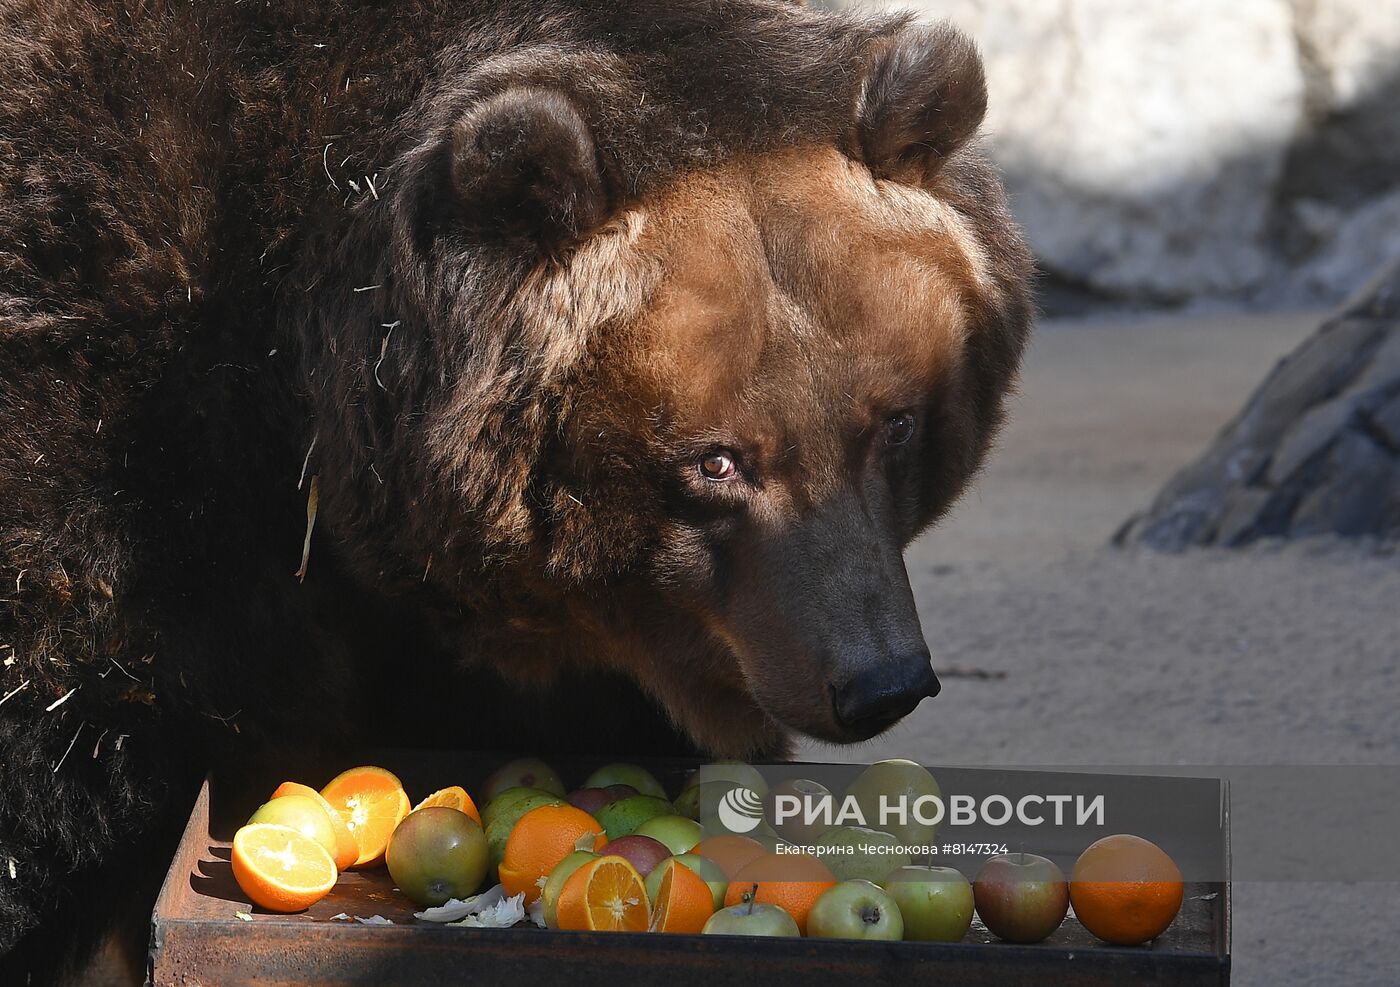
[876, 697]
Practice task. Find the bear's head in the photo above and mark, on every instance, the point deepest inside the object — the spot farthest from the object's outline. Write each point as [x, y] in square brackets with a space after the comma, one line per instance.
[666, 389]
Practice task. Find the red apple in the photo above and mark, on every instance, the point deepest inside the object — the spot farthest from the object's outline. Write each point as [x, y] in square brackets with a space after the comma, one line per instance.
[642, 852]
[1021, 897]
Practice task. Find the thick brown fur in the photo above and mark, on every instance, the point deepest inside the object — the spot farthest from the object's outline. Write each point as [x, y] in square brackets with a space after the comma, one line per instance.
[495, 275]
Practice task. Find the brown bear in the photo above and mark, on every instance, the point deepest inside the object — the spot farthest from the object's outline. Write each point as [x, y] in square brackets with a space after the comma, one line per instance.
[531, 376]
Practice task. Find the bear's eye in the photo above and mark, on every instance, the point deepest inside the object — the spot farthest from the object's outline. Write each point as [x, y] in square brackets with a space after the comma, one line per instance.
[718, 464]
[899, 429]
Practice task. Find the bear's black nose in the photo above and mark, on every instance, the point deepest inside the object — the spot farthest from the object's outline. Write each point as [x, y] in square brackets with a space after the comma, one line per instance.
[874, 699]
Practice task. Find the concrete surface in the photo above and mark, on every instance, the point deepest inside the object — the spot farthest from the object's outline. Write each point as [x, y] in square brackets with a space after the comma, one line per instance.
[1275, 655]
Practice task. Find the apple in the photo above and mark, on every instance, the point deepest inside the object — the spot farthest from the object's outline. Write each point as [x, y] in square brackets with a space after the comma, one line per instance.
[1021, 897]
[733, 774]
[508, 798]
[554, 884]
[896, 780]
[436, 854]
[936, 902]
[590, 800]
[796, 829]
[865, 861]
[856, 910]
[619, 773]
[749, 919]
[525, 772]
[616, 792]
[707, 870]
[642, 852]
[622, 817]
[679, 834]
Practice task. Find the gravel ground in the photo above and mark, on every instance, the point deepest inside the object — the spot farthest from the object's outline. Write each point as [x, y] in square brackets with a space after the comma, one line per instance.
[1274, 655]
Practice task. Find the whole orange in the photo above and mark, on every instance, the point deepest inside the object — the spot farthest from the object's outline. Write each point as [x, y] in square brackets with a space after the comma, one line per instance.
[1125, 890]
[792, 881]
[540, 840]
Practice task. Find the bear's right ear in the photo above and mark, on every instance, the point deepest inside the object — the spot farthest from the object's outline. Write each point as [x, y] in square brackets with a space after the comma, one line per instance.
[524, 166]
[923, 96]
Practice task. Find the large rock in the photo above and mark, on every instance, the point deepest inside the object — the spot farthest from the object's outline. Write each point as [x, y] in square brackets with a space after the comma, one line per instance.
[1169, 151]
[1315, 450]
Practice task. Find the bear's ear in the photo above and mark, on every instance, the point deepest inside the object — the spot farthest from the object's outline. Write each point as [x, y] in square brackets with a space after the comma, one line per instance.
[524, 166]
[924, 94]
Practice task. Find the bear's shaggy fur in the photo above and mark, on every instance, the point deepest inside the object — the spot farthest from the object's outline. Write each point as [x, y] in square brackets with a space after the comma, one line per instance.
[482, 282]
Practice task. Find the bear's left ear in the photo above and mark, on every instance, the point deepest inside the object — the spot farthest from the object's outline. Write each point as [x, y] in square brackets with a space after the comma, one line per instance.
[524, 166]
[923, 96]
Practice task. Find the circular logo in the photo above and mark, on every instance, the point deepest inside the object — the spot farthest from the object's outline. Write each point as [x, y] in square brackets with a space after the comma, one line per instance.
[740, 810]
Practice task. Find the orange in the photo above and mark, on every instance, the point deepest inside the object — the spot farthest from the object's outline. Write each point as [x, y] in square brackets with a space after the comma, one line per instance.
[454, 797]
[346, 851]
[732, 853]
[539, 840]
[372, 802]
[683, 902]
[1125, 890]
[604, 895]
[792, 881]
[280, 869]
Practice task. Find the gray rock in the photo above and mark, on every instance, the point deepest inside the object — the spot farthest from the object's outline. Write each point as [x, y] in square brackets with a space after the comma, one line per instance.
[1315, 450]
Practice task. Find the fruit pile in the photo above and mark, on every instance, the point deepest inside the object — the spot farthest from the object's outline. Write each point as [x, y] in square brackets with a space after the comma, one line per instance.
[617, 855]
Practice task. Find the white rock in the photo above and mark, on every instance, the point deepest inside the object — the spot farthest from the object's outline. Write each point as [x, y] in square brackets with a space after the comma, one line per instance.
[1141, 142]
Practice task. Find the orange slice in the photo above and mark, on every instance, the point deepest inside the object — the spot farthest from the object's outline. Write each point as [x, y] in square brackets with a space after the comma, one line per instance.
[372, 802]
[543, 837]
[683, 902]
[281, 869]
[347, 851]
[455, 797]
[604, 895]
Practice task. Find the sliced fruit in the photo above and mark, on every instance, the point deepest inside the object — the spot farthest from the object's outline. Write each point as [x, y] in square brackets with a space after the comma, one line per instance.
[683, 902]
[452, 797]
[346, 851]
[372, 802]
[557, 878]
[604, 895]
[281, 869]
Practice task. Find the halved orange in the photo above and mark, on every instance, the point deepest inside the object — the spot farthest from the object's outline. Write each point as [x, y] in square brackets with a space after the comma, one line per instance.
[540, 840]
[281, 869]
[372, 802]
[683, 901]
[347, 851]
[453, 797]
[604, 895]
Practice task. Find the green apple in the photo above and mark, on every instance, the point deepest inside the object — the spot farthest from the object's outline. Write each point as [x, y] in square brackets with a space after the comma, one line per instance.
[436, 854]
[678, 833]
[1021, 897]
[856, 910]
[707, 870]
[734, 774]
[525, 772]
[506, 799]
[872, 853]
[619, 773]
[796, 828]
[899, 782]
[749, 919]
[936, 902]
[621, 818]
[555, 883]
[688, 801]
